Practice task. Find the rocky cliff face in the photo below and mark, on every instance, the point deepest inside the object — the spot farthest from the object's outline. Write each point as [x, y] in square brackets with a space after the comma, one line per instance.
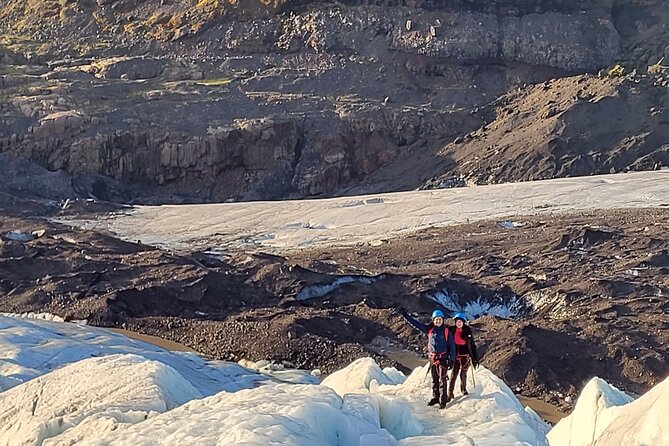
[210, 100]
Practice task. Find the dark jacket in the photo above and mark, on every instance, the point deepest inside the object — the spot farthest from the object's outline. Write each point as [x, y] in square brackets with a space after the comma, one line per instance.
[439, 339]
[470, 346]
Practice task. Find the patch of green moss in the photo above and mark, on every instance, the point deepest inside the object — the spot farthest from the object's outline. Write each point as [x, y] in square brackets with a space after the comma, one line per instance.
[9, 69]
[84, 49]
[616, 71]
[214, 82]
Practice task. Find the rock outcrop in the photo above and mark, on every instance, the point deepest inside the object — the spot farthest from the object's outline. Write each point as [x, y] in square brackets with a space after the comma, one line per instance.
[218, 101]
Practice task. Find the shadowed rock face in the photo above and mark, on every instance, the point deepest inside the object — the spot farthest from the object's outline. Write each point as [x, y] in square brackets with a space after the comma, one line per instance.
[207, 101]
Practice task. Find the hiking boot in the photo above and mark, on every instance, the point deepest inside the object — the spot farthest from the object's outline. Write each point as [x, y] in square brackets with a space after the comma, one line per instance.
[433, 401]
[464, 391]
[451, 396]
[442, 405]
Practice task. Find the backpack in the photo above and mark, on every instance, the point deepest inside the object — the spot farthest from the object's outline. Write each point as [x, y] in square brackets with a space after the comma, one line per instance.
[447, 333]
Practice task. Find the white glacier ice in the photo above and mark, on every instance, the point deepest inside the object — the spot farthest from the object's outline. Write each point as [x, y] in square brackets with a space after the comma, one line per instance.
[359, 375]
[300, 415]
[29, 348]
[604, 416]
[67, 384]
[347, 221]
[93, 395]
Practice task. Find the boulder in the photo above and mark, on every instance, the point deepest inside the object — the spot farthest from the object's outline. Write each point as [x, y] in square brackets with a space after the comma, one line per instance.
[128, 68]
[60, 123]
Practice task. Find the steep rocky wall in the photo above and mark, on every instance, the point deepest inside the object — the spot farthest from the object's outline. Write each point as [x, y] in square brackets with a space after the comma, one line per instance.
[208, 101]
[571, 39]
[249, 158]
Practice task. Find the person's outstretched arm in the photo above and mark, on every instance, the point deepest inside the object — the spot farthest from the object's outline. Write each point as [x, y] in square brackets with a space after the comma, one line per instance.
[413, 322]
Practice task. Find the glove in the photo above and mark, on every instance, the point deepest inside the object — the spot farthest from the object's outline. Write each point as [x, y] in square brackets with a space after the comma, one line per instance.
[475, 364]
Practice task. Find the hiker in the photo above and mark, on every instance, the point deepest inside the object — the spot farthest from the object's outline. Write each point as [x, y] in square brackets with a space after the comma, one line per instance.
[465, 353]
[441, 351]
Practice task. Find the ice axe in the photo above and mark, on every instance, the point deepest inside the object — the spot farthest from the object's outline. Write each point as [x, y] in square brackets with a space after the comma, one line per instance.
[427, 370]
[429, 366]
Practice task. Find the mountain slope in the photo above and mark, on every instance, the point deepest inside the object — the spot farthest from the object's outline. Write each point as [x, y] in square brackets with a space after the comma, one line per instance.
[208, 101]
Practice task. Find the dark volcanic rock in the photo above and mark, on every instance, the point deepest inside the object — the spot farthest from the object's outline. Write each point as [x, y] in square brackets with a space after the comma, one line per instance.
[167, 96]
[129, 68]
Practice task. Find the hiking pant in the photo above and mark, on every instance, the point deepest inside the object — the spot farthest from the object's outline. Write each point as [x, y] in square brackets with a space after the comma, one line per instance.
[439, 381]
[461, 365]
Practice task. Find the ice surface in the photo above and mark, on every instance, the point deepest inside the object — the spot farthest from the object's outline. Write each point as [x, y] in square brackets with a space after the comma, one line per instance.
[41, 316]
[315, 291]
[117, 391]
[478, 307]
[642, 422]
[19, 236]
[491, 412]
[604, 416]
[66, 384]
[279, 372]
[283, 414]
[365, 219]
[358, 377]
[489, 416]
[92, 395]
[591, 414]
[29, 348]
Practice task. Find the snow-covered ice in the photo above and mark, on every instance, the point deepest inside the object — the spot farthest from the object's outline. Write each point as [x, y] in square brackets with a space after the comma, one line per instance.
[358, 377]
[30, 348]
[68, 384]
[361, 412]
[283, 414]
[489, 416]
[92, 395]
[604, 416]
[281, 225]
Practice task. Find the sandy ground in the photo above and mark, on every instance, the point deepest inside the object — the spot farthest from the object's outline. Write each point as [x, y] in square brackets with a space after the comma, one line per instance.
[546, 411]
[155, 340]
[286, 225]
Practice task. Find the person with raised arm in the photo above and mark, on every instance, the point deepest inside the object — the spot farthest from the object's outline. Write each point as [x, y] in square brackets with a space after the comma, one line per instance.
[441, 352]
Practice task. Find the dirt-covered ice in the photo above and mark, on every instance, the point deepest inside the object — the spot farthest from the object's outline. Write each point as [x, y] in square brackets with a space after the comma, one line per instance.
[285, 225]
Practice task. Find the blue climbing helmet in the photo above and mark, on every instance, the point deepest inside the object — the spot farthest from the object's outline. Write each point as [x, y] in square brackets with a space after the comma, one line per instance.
[461, 316]
[437, 313]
